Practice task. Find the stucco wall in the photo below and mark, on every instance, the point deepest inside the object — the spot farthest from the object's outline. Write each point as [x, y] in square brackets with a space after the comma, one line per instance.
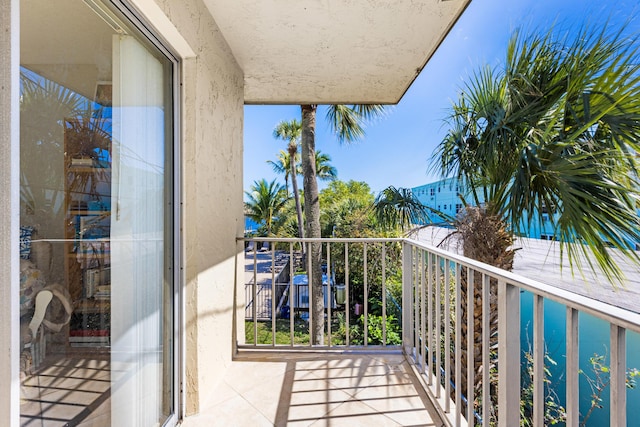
[9, 214]
[212, 194]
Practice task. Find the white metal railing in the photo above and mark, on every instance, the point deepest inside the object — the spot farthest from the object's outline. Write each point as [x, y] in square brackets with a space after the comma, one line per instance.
[438, 326]
[355, 271]
[460, 324]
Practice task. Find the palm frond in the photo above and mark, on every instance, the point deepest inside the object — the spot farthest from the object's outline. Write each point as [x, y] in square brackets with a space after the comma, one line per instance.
[558, 126]
[398, 207]
[348, 121]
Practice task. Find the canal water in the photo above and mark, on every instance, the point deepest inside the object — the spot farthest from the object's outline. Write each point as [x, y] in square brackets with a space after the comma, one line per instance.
[593, 340]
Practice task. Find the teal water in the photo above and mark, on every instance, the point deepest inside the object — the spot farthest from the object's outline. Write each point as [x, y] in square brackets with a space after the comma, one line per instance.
[593, 339]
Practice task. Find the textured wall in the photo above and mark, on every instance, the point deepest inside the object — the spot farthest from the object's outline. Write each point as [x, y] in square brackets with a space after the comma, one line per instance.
[212, 194]
[9, 213]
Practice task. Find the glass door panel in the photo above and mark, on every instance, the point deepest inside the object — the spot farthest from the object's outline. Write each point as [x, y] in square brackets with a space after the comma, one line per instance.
[96, 173]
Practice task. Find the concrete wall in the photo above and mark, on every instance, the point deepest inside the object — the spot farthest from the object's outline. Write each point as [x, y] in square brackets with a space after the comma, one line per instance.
[9, 213]
[212, 122]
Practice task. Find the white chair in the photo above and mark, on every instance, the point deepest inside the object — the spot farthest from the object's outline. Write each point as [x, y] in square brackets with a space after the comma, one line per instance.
[44, 321]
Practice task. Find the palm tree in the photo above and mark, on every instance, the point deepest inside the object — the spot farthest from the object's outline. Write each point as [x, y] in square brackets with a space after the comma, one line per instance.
[44, 105]
[556, 130]
[264, 202]
[399, 208]
[290, 131]
[346, 122]
[282, 165]
[324, 170]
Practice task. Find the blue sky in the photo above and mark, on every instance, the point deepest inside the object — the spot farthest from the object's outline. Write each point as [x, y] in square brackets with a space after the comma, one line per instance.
[397, 148]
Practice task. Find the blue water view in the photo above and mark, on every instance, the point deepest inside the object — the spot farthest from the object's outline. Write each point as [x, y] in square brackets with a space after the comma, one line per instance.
[593, 339]
[250, 226]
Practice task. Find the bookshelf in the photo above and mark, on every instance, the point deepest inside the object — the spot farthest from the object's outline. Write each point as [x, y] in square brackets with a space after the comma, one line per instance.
[87, 168]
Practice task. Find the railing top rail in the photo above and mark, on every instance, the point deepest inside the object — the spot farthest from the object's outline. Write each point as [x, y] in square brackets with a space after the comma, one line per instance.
[610, 313]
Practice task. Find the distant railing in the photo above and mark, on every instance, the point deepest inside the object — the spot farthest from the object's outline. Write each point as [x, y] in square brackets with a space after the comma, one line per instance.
[461, 325]
[358, 276]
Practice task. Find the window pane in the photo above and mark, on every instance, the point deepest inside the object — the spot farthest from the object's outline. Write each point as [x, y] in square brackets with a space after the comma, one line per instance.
[96, 282]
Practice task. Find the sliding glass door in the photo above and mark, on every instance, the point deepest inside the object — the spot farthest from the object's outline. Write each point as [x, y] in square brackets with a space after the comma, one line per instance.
[97, 218]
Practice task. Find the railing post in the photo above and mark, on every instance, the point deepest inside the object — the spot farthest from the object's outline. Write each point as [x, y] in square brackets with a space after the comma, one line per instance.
[486, 335]
[538, 361]
[471, 358]
[573, 366]
[429, 334]
[407, 298]
[618, 372]
[508, 355]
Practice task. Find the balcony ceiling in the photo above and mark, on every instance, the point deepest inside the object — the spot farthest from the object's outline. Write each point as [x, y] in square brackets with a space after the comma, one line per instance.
[332, 51]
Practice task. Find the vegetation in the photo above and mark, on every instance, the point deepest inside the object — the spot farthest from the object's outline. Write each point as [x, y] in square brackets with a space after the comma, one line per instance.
[324, 170]
[556, 130]
[599, 380]
[44, 105]
[346, 209]
[346, 122]
[282, 166]
[283, 333]
[264, 202]
[290, 132]
[338, 328]
[398, 208]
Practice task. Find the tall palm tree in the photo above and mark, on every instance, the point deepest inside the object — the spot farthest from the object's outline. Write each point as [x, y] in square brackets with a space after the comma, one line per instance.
[347, 123]
[264, 202]
[290, 132]
[282, 165]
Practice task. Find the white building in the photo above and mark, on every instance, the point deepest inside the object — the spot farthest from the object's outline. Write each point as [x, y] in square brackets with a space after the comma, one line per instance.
[446, 196]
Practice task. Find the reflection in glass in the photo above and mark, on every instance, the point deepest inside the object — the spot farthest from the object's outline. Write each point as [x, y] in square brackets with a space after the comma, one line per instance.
[96, 284]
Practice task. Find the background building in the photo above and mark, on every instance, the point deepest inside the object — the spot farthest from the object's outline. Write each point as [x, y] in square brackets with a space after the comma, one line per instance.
[446, 196]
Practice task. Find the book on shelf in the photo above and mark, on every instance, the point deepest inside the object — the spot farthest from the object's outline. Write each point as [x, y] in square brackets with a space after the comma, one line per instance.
[82, 161]
[102, 296]
[89, 337]
[104, 343]
[89, 333]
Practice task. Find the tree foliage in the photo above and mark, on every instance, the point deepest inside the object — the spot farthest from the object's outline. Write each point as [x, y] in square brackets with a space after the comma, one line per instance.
[556, 128]
[344, 208]
[264, 202]
[290, 131]
[348, 124]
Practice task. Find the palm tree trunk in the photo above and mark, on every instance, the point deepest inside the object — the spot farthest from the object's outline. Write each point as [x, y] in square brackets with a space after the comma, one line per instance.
[485, 238]
[312, 216]
[293, 149]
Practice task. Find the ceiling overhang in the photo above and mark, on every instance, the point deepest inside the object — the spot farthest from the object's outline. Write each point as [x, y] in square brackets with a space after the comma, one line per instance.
[332, 51]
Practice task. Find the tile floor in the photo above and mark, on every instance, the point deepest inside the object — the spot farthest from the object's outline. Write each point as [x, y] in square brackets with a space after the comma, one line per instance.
[67, 392]
[292, 389]
[318, 390]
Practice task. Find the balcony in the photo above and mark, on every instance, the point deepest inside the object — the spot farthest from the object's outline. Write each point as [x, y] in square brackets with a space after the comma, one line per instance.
[461, 342]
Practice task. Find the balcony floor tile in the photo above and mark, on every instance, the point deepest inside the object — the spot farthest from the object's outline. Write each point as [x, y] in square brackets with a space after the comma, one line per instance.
[318, 389]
